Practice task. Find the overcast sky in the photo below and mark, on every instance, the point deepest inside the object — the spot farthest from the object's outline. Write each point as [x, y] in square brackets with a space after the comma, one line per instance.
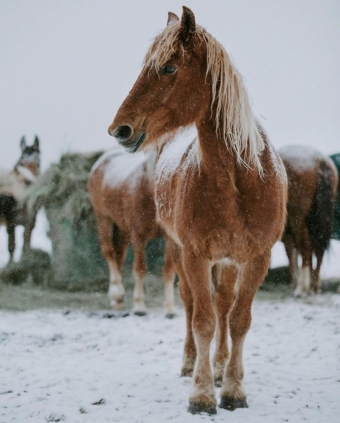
[66, 66]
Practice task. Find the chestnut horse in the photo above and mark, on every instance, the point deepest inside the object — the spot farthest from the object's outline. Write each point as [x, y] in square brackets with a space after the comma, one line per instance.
[13, 186]
[312, 181]
[221, 198]
[121, 188]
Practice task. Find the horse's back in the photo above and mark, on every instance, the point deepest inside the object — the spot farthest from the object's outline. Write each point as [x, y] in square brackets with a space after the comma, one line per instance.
[121, 188]
[306, 167]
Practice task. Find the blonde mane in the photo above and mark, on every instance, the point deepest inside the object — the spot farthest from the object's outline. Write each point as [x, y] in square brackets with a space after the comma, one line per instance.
[234, 119]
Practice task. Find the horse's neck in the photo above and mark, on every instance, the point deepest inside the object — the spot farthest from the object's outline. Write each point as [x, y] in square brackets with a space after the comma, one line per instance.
[217, 160]
[24, 174]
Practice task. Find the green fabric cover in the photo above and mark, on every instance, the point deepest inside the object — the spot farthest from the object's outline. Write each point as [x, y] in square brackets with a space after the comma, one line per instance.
[336, 227]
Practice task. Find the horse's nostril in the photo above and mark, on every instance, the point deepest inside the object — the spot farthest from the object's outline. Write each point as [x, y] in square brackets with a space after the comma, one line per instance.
[123, 133]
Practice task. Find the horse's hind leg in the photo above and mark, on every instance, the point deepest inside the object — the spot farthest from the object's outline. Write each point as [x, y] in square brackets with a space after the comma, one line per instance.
[232, 394]
[11, 239]
[224, 299]
[304, 280]
[169, 279]
[292, 254]
[29, 226]
[139, 271]
[110, 241]
[316, 283]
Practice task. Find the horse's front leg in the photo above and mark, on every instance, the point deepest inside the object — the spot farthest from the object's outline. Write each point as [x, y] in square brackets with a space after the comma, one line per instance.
[224, 299]
[11, 240]
[189, 354]
[198, 273]
[251, 275]
[29, 226]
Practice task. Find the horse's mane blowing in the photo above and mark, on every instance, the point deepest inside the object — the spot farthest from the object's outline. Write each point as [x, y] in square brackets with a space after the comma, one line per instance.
[234, 119]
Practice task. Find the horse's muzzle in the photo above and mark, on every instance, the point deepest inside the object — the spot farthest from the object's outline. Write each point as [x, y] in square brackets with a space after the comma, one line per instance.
[122, 133]
[124, 136]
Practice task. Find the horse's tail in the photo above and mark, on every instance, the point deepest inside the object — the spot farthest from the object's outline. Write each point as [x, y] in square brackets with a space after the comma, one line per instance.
[320, 217]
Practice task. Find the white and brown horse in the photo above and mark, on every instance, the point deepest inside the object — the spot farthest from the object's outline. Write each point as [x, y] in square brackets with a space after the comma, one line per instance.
[221, 198]
[121, 188]
[13, 186]
[313, 182]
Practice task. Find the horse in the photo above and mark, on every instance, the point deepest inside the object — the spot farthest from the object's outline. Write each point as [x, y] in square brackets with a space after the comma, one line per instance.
[121, 189]
[13, 186]
[312, 182]
[221, 198]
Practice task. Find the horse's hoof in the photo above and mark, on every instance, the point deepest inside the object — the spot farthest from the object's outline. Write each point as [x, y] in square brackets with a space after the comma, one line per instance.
[231, 404]
[170, 315]
[201, 407]
[218, 382]
[186, 372]
[139, 313]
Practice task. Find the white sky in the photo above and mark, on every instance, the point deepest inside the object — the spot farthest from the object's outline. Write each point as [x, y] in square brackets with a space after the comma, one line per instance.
[66, 66]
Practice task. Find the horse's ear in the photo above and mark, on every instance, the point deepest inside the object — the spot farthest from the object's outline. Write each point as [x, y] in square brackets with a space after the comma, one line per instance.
[36, 143]
[188, 24]
[172, 17]
[23, 143]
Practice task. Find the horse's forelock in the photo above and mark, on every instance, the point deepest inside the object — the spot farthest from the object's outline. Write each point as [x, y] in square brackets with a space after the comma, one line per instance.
[234, 119]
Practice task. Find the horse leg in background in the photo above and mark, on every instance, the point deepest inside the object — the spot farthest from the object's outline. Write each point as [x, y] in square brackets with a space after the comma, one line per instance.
[113, 244]
[292, 254]
[316, 283]
[304, 279]
[139, 271]
[169, 280]
[251, 276]
[29, 226]
[198, 272]
[11, 239]
[224, 283]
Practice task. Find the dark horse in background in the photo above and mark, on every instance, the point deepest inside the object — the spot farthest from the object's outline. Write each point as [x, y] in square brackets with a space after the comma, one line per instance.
[313, 181]
[13, 186]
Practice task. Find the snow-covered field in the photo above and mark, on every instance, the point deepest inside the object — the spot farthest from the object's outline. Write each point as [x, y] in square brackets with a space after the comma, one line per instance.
[81, 367]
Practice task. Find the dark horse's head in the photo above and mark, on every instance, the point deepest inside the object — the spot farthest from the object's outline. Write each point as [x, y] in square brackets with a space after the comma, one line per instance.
[30, 157]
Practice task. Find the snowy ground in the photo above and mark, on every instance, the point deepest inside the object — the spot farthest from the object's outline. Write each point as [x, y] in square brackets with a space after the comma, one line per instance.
[81, 367]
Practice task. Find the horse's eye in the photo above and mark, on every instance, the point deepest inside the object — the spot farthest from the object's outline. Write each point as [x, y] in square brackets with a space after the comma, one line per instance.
[168, 70]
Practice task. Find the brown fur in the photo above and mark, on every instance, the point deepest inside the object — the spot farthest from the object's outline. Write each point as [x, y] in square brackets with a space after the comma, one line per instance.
[231, 206]
[127, 214]
[313, 182]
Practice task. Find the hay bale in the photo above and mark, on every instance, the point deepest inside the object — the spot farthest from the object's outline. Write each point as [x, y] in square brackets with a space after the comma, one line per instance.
[62, 191]
[38, 265]
[34, 263]
[13, 273]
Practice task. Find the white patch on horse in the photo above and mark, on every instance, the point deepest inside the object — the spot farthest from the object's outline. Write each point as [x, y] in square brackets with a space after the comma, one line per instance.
[303, 283]
[11, 184]
[278, 165]
[120, 167]
[173, 152]
[26, 174]
[300, 157]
